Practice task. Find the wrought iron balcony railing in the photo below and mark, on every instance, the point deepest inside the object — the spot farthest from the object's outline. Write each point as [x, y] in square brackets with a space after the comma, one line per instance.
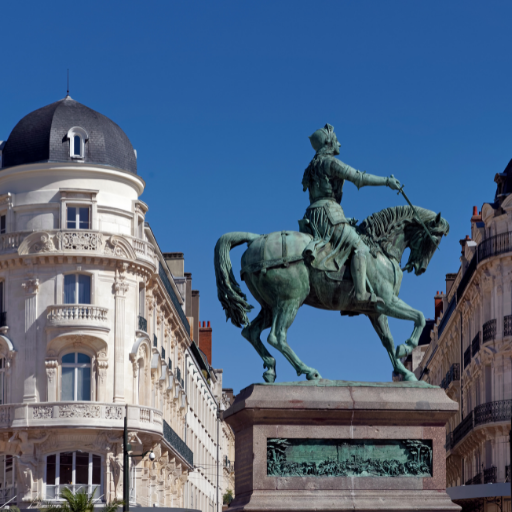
[491, 412]
[174, 299]
[449, 311]
[143, 324]
[178, 444]
[476, 480]
[507, 325]
[467, 357]
[463, 428]
[507, 473]
[453, 374]
[475, 345]
[489, 330]
[491, 475]
[449, 441]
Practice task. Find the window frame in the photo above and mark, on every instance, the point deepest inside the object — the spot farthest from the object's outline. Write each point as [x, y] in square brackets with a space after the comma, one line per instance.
[74, 486]
[3, 380]
[76, 366]
[77, 289]
[77, 131]
[77, 221]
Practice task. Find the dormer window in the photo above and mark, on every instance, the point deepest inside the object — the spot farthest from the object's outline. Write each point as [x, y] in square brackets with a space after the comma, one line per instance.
[77, 138]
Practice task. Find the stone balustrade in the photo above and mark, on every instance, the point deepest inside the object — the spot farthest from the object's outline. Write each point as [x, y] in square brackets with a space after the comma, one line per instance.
[69, 314]
[82, 414]
[76, 241]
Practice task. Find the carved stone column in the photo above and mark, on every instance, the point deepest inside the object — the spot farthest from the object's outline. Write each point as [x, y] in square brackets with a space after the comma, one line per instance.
[51, 376]
[31, 287]
[101, 392]
[120, 289]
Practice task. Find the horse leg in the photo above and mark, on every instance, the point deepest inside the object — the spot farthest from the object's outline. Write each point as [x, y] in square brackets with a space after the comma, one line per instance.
[397, 308]
[251, 332]
[380, 324]
[283, 316]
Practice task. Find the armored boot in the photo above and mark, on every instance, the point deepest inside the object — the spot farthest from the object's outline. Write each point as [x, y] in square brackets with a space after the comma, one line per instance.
[358, 268]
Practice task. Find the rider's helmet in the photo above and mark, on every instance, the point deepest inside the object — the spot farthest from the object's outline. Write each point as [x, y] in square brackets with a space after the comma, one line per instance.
[323, 137]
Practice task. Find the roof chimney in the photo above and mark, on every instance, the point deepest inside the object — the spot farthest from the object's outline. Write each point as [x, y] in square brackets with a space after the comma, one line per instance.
[477, 217]
[438, 305]
[205, 340]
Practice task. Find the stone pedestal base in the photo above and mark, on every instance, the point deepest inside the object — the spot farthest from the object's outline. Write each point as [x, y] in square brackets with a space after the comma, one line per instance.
[340, 446]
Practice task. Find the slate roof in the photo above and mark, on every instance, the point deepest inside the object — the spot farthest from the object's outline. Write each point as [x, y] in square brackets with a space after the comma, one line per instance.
[41, 136]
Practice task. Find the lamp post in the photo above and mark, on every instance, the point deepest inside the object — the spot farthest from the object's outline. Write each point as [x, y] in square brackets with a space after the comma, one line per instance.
[126, 458]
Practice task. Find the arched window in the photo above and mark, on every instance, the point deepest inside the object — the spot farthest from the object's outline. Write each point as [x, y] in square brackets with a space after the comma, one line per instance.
[76, 377]
[78, 471]
[77, 138]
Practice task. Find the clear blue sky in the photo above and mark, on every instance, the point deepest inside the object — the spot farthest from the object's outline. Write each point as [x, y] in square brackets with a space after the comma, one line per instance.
[219, 98]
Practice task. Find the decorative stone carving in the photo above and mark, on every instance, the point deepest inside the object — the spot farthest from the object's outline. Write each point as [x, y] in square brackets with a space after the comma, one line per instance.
[144, 415]
[113, 412]
[79, 241]
[120, 286]
[117, 246]
[79, 411]
[42, 412]
[31, 286]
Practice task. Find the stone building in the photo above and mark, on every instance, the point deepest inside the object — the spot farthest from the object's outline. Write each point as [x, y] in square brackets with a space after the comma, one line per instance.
[94, 326]
[470, 356]
[227, 444]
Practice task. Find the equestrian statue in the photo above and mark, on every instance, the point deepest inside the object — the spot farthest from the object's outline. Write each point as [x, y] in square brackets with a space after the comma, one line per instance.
[331, 263]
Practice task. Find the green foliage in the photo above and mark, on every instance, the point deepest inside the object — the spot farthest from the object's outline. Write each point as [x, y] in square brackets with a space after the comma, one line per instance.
[80, 501]
[228, 497]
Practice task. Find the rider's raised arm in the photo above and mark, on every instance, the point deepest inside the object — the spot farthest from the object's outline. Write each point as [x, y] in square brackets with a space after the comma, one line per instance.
[360, 179]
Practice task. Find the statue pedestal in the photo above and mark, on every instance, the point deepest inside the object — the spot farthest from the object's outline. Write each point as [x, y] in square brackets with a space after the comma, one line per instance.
[340, 446]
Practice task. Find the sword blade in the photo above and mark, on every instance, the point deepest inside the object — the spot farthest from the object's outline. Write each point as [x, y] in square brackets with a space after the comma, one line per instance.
[419, 218]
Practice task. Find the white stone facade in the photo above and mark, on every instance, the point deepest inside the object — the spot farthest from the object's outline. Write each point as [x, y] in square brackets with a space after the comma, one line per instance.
[470, 355]
[92, 330]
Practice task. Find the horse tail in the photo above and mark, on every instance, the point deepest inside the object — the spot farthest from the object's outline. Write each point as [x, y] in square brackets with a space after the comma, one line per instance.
[233, 300]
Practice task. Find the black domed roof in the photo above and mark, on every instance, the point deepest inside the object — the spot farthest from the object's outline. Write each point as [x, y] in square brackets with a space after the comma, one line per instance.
[41, 136]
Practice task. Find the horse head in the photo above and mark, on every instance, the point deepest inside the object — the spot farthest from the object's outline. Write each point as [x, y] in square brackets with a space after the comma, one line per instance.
[395, 229]
[422, 245]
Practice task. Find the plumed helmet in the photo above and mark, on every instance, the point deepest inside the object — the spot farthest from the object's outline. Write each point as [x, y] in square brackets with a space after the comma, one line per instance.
[322, 137]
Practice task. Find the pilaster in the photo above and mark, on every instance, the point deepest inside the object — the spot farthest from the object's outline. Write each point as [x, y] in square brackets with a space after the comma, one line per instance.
[120, 289]
[31, 287]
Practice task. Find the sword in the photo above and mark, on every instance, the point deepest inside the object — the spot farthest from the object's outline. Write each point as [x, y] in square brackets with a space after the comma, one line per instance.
[401, 191]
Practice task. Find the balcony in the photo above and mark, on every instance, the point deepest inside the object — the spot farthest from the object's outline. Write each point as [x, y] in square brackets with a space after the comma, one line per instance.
[476, 480]
[507, 325]
[493, 411]
[491, 475]
[475, 344]
[76, 314]
[143, 324]
[7, 496]
[489, 331]
[449, 441]
[452, 375]
[462, 429]
[178, 444]
[467, 357]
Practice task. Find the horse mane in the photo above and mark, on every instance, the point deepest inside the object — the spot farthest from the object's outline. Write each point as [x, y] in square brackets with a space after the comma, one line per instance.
[377, 229]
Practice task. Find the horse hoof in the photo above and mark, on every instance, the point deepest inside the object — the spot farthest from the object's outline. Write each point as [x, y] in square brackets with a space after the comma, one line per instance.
[313, 375]
[269, 376]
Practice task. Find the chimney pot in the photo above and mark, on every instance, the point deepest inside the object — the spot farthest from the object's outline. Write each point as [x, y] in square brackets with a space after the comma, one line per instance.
[475, 210]
[208, 323]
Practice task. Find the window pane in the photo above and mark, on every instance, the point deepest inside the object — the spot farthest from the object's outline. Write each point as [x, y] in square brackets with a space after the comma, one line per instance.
[83, 359]
[82, 468]
[2, 223]
[71, 217]
[2, 399]
[96, 470]
[77, 149]
[84, 384]
[66, 468]
[69, 358]
[70, 289]
[142, 304]
[84, 289]
[51, 462]
[84, 218]
[68, 384]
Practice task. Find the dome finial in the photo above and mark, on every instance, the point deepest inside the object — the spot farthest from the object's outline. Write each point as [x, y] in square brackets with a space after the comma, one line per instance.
[67, 93]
